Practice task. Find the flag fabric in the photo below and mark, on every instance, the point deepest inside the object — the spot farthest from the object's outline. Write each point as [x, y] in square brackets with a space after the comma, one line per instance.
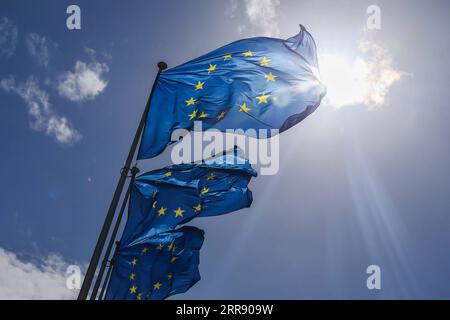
[163, 199]
[256, 83]
[157, 267]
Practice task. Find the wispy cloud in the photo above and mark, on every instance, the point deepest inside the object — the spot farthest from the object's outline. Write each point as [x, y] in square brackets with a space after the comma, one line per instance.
[381, 75]
[86, 81]
[364, 80]
[261, 14]
[25, 280]
[42, 116]
[39, 48]
[8, 37]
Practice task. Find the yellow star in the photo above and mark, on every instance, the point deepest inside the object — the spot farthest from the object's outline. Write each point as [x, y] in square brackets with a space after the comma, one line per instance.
[132, 276]
[157, 285]
[133, 289]
[191, 102]
[264, 62]
[173, 259]
[144, 250]
[270, 77]
[179, 212]
[211, 176]
[162, 211]
[154, 204]
[160, 246]
[221, 115]
[227, 56]
[199, 86]
[243, 107]
[248, 54]
[169, 276]
[204, 190]
[198, 208]
[212, 68]
[134, 262]
[202, 115]
[171, 247]
[168, 174]
[139, 296]
[193, 114]
[262, 98]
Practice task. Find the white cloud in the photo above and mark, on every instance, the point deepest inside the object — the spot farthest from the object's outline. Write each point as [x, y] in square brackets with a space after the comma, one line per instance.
[365, 80]
[25, 280]
[43, 118]
[85, 82]
[62, 130]
[262, 15]
[8, 37]
[38, 47]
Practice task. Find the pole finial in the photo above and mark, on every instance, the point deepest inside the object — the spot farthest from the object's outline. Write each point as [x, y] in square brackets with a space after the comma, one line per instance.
[162, 65]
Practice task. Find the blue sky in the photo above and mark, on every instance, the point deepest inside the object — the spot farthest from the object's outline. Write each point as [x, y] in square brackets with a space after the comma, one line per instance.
[359, 184]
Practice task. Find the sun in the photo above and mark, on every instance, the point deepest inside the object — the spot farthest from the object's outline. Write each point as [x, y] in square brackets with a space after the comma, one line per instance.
[347, 81]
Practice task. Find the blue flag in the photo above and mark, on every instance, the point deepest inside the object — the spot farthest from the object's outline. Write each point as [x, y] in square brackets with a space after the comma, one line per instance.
[165, 198]
[157, 267]
[257, 83]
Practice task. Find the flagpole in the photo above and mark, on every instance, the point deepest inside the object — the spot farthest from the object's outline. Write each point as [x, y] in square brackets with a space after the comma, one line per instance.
[108, 274]
[134, 172]
[90, 273]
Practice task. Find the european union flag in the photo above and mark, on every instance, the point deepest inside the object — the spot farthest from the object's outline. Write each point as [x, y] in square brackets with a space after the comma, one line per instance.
[165, 198]
[257, 83]
[157, 267]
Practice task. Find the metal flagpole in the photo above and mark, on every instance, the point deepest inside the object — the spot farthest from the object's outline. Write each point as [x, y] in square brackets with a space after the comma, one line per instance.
[134, 172]
[90, 273]
[108, 274]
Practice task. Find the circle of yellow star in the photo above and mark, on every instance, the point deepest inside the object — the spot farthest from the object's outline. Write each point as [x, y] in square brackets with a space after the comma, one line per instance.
[199, 86]
[193, 114]
[179, 212]
[191, 102]
[204, 190]
[270, 77]
[264, 62]
[157, 285]
[262, 98]
[243, 108]
[171, 247]
[162, 211]
[221, 115]
[212, 67]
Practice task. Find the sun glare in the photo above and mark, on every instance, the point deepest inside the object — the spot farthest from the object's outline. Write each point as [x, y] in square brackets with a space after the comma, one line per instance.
[346, 81]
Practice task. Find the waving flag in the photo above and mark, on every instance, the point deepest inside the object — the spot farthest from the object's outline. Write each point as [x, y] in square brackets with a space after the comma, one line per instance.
[257, 83]
[157, 267]
[163, 199]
